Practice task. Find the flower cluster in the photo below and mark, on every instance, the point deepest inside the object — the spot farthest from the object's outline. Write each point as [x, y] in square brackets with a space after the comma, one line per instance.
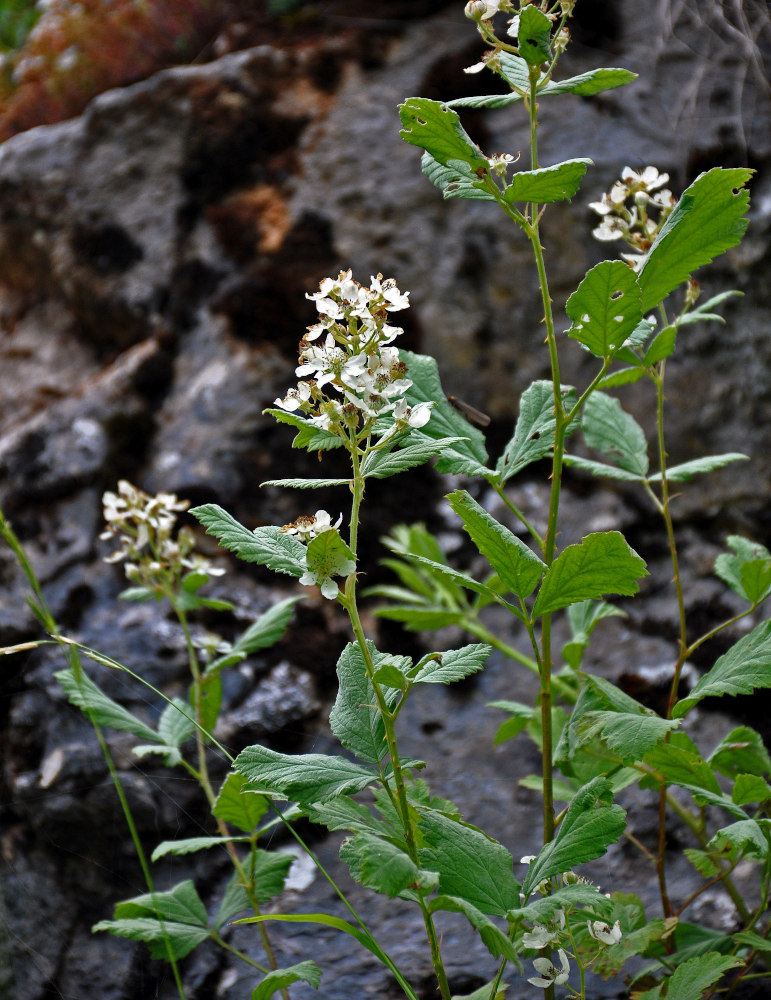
[308, 526]
[349, 375]
[634, 210]
[145, 525]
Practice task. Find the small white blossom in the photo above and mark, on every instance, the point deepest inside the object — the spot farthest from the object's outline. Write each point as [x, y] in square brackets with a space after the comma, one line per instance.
[295, 397]
[603, 932]
[308, 526]
[411, 416]
[549, 973]
[648, 178]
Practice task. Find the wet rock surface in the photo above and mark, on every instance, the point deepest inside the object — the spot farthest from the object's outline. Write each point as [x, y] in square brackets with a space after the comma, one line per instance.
[154, 255]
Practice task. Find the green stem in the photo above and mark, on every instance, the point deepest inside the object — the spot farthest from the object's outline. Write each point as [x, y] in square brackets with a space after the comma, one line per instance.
[516, 511]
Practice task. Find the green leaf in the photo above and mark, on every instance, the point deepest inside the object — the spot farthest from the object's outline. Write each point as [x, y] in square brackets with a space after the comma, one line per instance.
[533, 437]
[237, 805]
[590, 825]
[268, 546]
[308, 436]
[381, 464]
[175, 724]
[547, 184]
[602, 563]
[752, 940]
[138, 594]
[624, 376]
[279, 979]
[456, 181]
[702, 862]
[628, 735]
[381, 865]
[355, 718]
[682, 473]
[485, 992]
[518, 567]
[742, 751]
[471, 865]
[743, 669]
[456, 576]
[437, 129]
[466, 457]
[304, 778]
[454, 664]
[588, 84]
[605, 308]
[694, 976]
[82, 692]
[267, 871]
[683, 765]
[305, 484]
[345, 814]
[750, 788]
[583, 617]
[610, 429]
[662, 346]
[181, 904]
[748, 572]
[534, 36]
[747, 836]
[707, 221]
[265, 632]
[602, 470]
[492, 936]
[158, 936]
[191, 845]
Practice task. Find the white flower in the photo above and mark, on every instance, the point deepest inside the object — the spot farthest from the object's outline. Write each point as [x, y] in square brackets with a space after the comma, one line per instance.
[648, 179]
[603, 932]
[539, 937]
[528, 859]
[550, 974]
[411, 416]
[330, 363]
[295, 397]
[308, 526]
[395, 299]
[611, 228]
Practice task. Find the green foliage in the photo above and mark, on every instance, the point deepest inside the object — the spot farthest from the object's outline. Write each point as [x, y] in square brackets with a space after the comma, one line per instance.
[605, 308]
[708, 220]
[547, 184]
[304, 778]
[266, 545]
[279, 979]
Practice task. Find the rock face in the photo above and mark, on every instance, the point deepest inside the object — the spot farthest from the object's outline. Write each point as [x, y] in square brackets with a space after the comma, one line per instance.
[154, 255]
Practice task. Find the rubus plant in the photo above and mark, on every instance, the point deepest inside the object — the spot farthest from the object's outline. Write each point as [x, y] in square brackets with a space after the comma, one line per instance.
[386, 409]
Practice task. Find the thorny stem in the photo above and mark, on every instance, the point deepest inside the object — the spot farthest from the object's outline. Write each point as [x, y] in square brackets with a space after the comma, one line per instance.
[348, 600]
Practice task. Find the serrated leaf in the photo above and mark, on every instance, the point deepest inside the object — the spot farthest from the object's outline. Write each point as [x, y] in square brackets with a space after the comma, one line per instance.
[702, 862]
[601, 470]
[694, 976]
[743, 669]
[629, 736]
[662, 346]
[266, 545]
[518, 567]
[308, 436]
[605, 308]
[304, 778]
[355, 718]
[82, 692]
[181, 904]
[191, 845]
[456, 576]
[237, 805]
[748, 572]
[471, 865]
[345, 814]
[610, 429]
[534, 36]
[682, 473]
[454, 664]
[590, 825]
[547, 184]
[437, 129]
[263, 633]
[279, 979]
[175, 724]
[267, 872]
[752, 940]
[380, 465]
[602, 563]
[305, 484]
[492, 936]
[708, 220]
[159, 936]
[682, 765]
[469, 455]
[533, 436]
[742, 751]
[379, 864]
[583, 618]
[456, 181]
[750, 788]
[595, 81]
[625, 376]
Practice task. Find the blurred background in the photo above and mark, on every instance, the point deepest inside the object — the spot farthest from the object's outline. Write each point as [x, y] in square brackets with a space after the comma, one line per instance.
[174, 176]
